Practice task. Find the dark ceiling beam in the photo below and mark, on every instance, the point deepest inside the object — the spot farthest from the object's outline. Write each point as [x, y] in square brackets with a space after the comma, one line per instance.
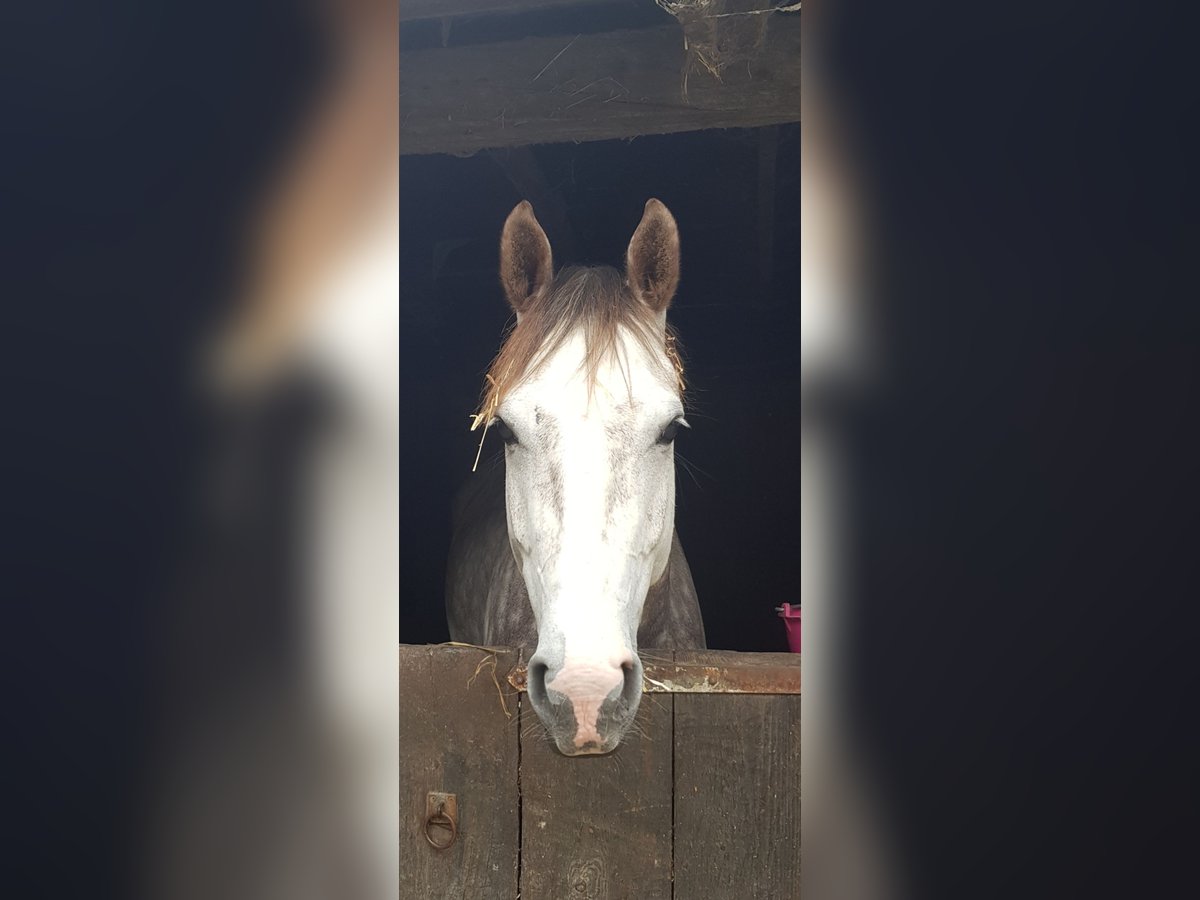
[411, 10]
[589, 87]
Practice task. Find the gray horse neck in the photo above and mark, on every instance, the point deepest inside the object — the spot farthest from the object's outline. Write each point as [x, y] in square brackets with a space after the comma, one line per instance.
[486, 599]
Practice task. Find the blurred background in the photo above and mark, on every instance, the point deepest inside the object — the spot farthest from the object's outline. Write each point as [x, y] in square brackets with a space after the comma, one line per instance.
[1019, 458]
[154, 570]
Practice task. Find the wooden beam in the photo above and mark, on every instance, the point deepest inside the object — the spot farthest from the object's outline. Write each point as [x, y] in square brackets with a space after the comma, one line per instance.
[619, 84]
[709, 672]
[411, 10]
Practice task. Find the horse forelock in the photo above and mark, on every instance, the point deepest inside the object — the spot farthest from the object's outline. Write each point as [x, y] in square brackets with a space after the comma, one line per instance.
[597, 301]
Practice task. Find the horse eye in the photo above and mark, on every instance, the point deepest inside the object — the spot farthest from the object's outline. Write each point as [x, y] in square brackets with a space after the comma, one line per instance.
[668, 433]
[506, 433]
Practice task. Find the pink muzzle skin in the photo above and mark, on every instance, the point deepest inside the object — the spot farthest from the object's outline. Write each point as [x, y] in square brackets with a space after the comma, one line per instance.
[586, 686]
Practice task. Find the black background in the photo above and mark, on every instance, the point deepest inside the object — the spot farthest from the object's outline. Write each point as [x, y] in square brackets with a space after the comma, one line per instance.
[1025, 562]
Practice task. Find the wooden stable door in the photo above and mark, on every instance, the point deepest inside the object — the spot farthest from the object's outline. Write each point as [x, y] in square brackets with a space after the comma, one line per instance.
[701, 800]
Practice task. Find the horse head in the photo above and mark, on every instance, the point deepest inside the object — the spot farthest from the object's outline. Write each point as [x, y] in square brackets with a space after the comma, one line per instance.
[587, 396]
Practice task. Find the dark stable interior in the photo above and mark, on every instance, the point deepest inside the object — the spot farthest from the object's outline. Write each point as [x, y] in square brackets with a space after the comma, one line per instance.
[737, 314]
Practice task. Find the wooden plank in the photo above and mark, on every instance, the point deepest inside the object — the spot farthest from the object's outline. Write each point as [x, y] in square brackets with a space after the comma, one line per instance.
[598, 827]
[455, 738]
[724, 672]
[737, 794]
[712, 672]
[411, 10]
[589, 87]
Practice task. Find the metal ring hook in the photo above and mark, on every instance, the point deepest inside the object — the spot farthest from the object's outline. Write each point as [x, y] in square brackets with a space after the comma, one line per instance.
[439, 816]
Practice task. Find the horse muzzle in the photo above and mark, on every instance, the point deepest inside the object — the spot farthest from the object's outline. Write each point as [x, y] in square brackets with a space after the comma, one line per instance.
[586, 704]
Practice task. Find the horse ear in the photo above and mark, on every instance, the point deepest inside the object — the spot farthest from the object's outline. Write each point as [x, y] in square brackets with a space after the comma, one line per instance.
[652, 261]
[526, 264]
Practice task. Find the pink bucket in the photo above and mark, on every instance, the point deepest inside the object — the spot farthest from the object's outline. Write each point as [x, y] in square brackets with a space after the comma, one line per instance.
[791, 620]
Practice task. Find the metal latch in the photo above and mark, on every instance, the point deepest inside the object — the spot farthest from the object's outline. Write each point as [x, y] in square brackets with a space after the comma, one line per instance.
[441, 820]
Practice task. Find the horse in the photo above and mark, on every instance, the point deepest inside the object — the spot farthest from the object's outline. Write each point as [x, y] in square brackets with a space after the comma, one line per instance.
[571, 550]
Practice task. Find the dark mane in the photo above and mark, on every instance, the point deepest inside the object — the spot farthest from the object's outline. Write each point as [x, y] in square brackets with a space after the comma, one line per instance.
[596, 299]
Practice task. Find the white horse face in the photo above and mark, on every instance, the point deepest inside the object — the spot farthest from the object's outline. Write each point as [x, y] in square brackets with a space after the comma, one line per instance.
[590, 488]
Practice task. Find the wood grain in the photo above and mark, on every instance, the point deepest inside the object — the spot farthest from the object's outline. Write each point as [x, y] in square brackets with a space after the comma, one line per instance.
[455, 738]
[437, 9]
[618, 84]
[737, 792]
[598, 828]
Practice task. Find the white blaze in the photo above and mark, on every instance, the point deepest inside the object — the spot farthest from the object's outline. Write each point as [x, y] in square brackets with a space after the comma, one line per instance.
[589, 558]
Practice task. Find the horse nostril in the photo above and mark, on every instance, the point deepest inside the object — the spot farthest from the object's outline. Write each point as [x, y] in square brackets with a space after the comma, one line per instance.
[631, 670]
[536, 681]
